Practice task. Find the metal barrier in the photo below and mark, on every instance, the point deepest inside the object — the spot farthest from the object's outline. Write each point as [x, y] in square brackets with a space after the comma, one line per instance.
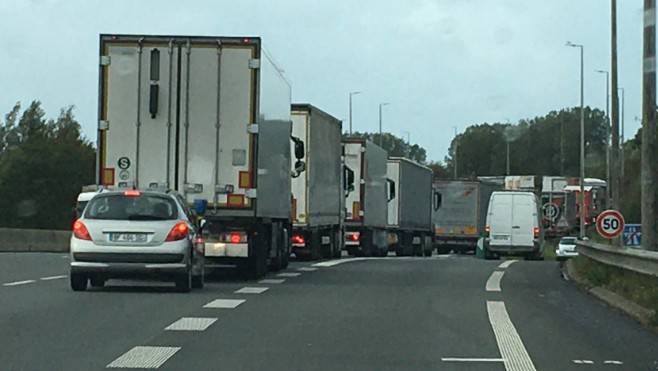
[34, 240]
[639, 261]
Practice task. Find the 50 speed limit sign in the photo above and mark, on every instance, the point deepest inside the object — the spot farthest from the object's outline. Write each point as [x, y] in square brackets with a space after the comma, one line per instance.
[610, 224]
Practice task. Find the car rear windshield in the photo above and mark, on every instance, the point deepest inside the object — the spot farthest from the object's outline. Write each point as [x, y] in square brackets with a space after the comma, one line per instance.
[569, 241]
[121, 207]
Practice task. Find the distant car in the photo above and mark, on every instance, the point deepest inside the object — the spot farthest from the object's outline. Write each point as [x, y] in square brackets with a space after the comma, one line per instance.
[566, 248]
[136, 234]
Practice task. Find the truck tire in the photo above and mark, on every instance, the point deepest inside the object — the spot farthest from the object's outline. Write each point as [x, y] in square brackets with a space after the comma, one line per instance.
[443, 249]
[337, 244]
[184, 281]
[78, 282]
[427, 253]
[97, 282]
[276, 262]
[326, 251]
[287, 247]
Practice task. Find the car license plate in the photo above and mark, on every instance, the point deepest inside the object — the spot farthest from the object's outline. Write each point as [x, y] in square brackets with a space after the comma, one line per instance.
[501, 237]
[127, 237]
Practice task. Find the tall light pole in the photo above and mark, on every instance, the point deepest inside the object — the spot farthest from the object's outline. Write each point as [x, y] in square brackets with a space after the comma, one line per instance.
[607, 136]
[621, 140]
[508, 141]
[351, 94]
[380, 121]
[456, 146]
[582, 137]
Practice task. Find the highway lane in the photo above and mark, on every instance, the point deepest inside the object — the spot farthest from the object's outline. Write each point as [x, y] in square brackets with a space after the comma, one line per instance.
[17, 268]
[383, 314]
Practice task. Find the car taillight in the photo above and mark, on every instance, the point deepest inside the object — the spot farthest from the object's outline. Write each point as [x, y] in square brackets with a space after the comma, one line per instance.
[353, 236]
[177, 232]
[536, 232]
[298, 239]
[131, 193]
[487, 231]
[80, 231]
[199, 240]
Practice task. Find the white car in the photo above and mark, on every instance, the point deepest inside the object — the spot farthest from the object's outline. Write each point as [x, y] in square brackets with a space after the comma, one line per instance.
[566, 248]
[136, 234]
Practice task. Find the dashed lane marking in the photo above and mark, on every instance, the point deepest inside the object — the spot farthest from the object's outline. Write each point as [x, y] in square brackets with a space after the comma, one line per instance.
[472, 360]
[53, 278]
[507, 263]
[613, 362]
[144, 357]
[272, 281]
[191, 324]
[252, 290]
[224, 303]
[288, 274]
[307, 269]
[515, 356]
[18, 283]
[493, 283]
[583, 362]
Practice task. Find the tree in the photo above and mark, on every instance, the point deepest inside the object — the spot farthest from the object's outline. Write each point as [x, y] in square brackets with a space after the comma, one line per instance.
[395, 146]
[43, 165]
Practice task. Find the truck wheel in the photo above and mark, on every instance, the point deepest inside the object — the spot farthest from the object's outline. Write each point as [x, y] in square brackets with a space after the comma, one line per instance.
[78, 282]
[399, 251]
[184, 281]
[97, 282]
[327, 251]
[287, 246]
[337, 243]
[315, 240]
[427, 253]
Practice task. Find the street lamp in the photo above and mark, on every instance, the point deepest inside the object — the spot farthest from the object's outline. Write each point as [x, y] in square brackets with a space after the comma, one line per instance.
[351, 94]
[607, 135]
[621, 142]
[380, 121]
[508, 141]
[582, 137]
[456, 147]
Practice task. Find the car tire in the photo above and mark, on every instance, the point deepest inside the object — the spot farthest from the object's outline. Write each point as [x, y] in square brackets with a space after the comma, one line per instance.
[78, 282]
[97, 282]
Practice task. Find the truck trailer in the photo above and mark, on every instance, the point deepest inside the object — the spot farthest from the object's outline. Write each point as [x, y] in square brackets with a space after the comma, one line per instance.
[366, 204]
[208, 117]
[461, 219]
[318, 194]
[410, 227]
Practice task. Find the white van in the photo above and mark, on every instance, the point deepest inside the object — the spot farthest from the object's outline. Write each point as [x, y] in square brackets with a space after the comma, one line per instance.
[513, 226]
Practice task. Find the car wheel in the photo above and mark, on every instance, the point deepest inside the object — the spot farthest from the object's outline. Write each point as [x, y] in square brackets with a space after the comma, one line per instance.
[184, 282]
[97, 282]
[78, 282]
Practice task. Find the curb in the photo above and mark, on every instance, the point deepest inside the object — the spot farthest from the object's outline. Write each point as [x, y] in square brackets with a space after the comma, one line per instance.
[612, 299]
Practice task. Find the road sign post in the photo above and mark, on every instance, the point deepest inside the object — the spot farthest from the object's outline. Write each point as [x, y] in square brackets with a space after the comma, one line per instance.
[610, 224]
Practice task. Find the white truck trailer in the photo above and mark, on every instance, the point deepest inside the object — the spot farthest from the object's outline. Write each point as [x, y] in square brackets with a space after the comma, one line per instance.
[210, 118]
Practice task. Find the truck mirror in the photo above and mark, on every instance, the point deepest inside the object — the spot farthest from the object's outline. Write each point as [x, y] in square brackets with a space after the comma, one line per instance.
[300, 167]
[348, 179]
[438, 199]
[202, 223]
[300, 151]
[391, 189]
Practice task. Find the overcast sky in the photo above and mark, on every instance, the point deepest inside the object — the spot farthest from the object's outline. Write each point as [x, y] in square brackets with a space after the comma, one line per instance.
[439, 63]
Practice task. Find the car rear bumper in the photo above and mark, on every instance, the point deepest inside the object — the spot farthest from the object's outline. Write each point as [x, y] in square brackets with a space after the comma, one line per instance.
[128, 270]
[565, 254]
[512, 249]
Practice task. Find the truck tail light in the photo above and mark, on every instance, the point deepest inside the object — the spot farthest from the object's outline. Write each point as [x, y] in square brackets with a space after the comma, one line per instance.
[299, 239]
[177, 232]
[80, 231]
[487, 231]
[353, 236]
[233, 237]
[536, 232]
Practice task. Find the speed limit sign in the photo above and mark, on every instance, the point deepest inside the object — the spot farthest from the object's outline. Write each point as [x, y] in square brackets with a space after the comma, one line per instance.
[610, 224]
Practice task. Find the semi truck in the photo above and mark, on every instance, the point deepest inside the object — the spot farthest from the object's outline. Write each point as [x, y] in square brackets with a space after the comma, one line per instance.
[558, 213]
[366, 202]
[410, 227]
[318, 195]
[461, 219]
[208, 117]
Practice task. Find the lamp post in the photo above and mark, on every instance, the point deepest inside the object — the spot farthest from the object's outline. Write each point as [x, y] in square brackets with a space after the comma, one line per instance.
[380, 121]
[507, 139]
[621, 142]
[582, 137]
[351, 94]
[456, 146]
[607, 135]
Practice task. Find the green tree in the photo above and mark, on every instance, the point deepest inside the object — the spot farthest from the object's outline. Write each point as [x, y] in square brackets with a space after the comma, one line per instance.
[44, 163]
[395, 146]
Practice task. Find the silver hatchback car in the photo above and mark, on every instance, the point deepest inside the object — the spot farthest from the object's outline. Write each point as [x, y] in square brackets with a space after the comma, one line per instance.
[137, 234]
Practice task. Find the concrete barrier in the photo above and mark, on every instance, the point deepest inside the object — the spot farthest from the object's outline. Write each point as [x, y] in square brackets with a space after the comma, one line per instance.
[34, 240]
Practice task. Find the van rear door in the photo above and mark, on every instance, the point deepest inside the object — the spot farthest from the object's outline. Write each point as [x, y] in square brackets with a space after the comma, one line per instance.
[500, 220]
[524, 219]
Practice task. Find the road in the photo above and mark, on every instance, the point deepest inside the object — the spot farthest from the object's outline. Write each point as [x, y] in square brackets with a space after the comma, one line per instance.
[439, 313]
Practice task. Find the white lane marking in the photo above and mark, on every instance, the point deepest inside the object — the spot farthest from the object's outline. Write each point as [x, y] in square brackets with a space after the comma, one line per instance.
[472, 360]
[331, 263]
[224, 303]
[307, 269]
[144, 357]
[511, 347]
[252, 290]
[493, 283]
[191, 324]
[272, 281]
[65, 256]
[288, 274]
[18, 283]
[613, 362]
[507, 263]
[52, 278]
[583, 362]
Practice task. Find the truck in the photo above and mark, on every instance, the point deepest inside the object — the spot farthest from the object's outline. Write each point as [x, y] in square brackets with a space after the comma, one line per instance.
[558, 213]
[318, 195]
[366, 204]
[461, 219]
[412, 201]
[208, 117]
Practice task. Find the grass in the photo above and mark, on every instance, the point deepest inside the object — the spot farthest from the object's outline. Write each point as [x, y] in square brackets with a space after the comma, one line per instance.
[639, 288]
[549, 249]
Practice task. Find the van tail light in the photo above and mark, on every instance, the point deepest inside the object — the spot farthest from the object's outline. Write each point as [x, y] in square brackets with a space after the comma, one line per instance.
[80, 231]
[536, 232]
[177, 232]
[487, 231]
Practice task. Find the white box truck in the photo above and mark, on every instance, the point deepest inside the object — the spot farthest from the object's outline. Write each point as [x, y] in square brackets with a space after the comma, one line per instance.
[410, 227]
[208, 117]
[366, 204]
[318, 195]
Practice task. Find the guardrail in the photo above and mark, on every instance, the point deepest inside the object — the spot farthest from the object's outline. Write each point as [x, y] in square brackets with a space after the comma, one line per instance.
[639, 261]
[34, 240]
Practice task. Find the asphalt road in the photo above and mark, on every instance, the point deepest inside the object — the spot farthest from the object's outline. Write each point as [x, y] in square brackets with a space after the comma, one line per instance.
[439, 313]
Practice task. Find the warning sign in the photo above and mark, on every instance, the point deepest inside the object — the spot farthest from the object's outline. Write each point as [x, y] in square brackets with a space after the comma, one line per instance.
[563, 223]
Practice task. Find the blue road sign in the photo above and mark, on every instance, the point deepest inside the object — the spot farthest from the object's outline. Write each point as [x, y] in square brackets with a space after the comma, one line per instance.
[632, 235]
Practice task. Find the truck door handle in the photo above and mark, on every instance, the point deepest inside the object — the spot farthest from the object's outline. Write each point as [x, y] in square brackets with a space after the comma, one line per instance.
[516, 227]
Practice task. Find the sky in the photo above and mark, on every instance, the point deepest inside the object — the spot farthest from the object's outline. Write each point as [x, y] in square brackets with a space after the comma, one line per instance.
[443, 65]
